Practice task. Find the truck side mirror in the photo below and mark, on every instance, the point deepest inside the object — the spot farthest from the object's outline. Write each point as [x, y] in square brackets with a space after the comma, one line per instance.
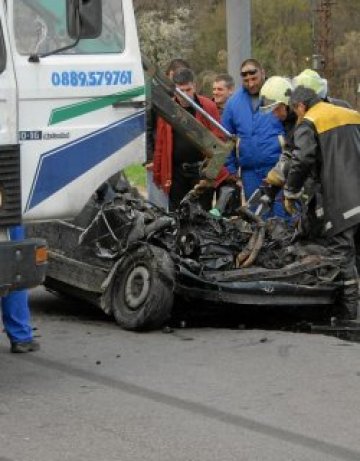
[84, 18]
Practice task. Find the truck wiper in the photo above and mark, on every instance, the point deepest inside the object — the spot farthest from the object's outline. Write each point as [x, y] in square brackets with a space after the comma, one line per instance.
[35, 57]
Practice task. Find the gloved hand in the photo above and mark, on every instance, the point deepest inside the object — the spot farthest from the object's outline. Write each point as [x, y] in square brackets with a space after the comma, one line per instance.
[290, 205]
[269, 190]
[275, 177]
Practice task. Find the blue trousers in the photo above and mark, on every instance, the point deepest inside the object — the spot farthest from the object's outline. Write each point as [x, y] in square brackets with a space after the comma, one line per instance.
[15, 306]
[252, 180]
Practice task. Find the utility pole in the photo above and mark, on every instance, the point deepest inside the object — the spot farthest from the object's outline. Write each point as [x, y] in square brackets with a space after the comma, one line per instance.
[323, 57]
[238, 27]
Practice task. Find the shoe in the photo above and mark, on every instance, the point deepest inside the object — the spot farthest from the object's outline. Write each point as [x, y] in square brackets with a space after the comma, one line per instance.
[348, 315]
[350, 312]
[23, 347]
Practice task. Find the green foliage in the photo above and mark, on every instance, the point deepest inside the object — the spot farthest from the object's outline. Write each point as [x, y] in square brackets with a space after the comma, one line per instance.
[204, 82]
[136, 175]
[347, 67]
[162, 40]
[282, 37]
[210, 40]
[345, 83]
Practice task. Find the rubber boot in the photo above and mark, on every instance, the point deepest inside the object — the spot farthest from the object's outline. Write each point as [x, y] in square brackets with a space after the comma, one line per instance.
[350, 300]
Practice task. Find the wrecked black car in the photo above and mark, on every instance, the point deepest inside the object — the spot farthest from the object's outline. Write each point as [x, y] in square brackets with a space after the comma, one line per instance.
[131, 259]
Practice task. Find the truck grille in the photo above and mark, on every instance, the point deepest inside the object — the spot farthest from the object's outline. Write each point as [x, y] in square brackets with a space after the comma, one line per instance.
[10, 207]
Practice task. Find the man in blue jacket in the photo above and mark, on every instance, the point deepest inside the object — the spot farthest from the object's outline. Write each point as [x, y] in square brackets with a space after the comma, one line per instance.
[261, 135]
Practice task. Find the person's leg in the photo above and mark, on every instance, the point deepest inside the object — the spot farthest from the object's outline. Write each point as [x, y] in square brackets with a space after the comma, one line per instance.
[228, 198]
[156, 195]
[16, 312]
[16, 316]
[357, 248]
[278, 209]
[250, 182]
[179, 188]
[342, 246]
[206, 196]
[357, 259]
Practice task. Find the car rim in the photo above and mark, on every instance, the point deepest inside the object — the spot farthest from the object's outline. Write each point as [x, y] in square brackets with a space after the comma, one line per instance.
[137, 287]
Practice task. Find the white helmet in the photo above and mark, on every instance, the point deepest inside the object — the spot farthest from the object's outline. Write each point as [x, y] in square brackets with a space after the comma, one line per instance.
[276, 90]
[311, 79]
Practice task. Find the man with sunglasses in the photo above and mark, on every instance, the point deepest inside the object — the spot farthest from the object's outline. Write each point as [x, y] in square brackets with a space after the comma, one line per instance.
[260, 134]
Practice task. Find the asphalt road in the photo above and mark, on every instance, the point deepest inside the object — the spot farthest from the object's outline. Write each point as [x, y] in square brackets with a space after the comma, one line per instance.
[95, 392]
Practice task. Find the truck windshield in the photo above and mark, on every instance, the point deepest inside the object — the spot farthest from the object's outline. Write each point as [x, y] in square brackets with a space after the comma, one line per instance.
[40, 27]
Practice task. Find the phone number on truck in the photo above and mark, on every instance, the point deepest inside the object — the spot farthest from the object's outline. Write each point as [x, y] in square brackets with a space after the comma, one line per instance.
[96, 78]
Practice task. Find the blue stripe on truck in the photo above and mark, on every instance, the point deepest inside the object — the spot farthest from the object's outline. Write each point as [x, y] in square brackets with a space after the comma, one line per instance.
[76, 158]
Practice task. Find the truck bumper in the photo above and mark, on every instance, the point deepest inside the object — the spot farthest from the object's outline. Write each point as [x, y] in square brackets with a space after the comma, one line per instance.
[22, 264]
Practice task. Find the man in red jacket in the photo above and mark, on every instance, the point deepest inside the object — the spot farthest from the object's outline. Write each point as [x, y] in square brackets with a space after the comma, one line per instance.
[176, 161]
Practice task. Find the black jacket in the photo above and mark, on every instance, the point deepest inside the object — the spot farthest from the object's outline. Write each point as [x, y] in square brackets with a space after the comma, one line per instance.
[328, 141]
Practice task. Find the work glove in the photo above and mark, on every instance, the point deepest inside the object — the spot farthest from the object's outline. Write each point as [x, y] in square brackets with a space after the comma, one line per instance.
[290, 205]
[275, 177]
[291, 198]
[269, 190]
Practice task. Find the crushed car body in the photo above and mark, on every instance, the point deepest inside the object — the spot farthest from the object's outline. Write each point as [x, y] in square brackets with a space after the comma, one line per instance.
[131, 259]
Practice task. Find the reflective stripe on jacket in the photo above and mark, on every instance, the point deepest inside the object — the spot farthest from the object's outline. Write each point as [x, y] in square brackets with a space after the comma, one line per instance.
[329, 139]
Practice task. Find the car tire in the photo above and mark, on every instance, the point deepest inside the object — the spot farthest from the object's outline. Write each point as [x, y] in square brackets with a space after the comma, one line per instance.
[142, 291]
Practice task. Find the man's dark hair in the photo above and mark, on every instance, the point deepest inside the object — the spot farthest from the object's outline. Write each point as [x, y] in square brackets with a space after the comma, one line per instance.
[227, 78]
[307, 96]
[252, 61]
[183, 76]
[175, 64]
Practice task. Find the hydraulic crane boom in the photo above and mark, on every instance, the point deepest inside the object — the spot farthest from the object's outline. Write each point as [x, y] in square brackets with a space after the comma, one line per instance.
[216, 150]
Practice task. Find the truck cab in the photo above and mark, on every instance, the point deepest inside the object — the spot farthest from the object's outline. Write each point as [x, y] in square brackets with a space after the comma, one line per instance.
[72, 108]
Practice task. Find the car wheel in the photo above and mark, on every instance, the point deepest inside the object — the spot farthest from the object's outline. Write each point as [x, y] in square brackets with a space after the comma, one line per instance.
[142, 290]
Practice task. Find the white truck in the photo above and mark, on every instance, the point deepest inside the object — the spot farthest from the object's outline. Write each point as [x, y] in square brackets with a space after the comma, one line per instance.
[72, 114]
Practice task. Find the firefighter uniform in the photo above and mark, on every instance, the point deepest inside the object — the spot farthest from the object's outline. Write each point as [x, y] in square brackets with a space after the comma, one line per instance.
[328, 141]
